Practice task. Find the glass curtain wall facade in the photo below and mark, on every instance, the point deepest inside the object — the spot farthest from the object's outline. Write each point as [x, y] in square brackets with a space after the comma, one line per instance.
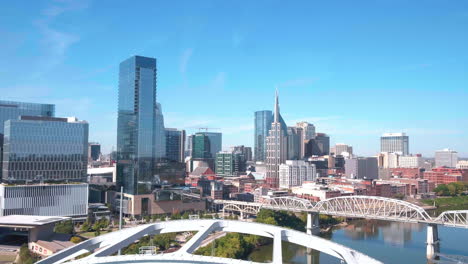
[45, 149]
[395, 142]
[13, 110]
[216, 142]
[263, 120]
[201, 147]
[136, 125]
[175, 144]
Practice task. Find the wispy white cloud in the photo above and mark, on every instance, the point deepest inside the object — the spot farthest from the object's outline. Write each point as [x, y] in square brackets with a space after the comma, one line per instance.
[237, 39]
[219, 81]
[184, 60]
[55, 42]
[58, 7]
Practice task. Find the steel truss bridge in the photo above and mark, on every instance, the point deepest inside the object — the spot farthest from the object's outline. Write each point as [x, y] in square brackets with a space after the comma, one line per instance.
[369, 207]
[102, 248]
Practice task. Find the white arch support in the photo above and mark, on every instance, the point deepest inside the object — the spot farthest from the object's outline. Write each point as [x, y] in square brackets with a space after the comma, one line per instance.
[104, 246]
[372, 207]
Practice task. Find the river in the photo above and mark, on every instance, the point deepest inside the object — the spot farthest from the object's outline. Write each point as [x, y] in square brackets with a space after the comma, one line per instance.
[389, 242]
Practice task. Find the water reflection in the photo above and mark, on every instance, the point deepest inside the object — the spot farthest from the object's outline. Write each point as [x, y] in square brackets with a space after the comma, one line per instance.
[389, 242]
[393, 233]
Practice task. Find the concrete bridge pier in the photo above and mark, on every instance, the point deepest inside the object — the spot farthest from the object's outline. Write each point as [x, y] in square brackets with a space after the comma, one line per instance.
[313, 227]
[433, 246]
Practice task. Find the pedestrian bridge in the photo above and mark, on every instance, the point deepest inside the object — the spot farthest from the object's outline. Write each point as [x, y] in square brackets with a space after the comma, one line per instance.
[369, 207]
[103, 248]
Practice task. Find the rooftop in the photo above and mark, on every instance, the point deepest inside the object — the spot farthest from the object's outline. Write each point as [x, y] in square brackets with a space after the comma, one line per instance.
[29, 220]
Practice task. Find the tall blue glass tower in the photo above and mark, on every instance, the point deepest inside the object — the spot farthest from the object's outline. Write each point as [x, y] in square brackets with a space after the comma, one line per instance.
[140, 129]
[263, 120]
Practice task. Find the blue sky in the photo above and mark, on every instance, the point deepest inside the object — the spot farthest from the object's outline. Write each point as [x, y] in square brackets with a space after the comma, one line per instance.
[356, 69]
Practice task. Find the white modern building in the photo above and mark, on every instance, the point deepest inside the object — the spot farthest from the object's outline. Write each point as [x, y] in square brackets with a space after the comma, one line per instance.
[339, 148]
[462, 164]
[446, 158]
[44, 199]
[388, 160]
[416, 161]
[295, 172]
[395, 142]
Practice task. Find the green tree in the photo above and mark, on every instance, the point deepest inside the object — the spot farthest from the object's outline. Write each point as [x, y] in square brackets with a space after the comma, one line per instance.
[75, 240]
[65, 227]
[176, 216]
[185, 215]
[25, 256]
[85, 227]
[442, 190]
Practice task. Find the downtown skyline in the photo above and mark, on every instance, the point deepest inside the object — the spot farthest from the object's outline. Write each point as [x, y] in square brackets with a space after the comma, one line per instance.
[353, 93]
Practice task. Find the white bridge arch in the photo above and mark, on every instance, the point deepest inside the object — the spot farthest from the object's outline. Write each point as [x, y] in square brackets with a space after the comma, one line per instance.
[102, 247]
[374, 207]
[357, 206]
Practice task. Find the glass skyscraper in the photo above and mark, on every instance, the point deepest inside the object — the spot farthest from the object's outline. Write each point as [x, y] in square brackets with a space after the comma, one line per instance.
[140, 128]
[201, 146]
[263, 120]
[13, 110]
[395, 142]
[175, 144]
[216, 142]
[45, 149]
[159, 134]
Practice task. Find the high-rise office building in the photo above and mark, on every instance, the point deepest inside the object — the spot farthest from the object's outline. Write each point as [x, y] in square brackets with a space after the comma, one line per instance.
[277, 142]
[446, 158]
[139, 125]
[388, 160]
[416, 161]
[339, 148]
[94, 151]
[323, 143]
[263, 120]
[188, 150]
[13, 110]
[395, 142]
[362, 168]
[216, 141]
[294, 143]
[246, 151]
[230, 164]
[159, 134]
[45, 149]
[295, 172]
[201, 147]
[307, 132]
[175, 144]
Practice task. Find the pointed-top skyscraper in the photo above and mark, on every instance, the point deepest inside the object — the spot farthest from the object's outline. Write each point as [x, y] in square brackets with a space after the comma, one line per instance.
[276, 147]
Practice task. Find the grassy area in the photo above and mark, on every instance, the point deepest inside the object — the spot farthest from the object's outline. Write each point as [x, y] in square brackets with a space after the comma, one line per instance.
[91, 234]
[457, 201]
[448, 203]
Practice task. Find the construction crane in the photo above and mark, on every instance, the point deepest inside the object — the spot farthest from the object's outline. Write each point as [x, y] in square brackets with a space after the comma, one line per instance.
[206, 128]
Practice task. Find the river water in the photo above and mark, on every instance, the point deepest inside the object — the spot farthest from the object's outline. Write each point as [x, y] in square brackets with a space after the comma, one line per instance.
[389, 242]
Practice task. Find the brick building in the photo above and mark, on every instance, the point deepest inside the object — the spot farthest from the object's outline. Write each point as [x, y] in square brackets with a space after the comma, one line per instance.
[445, 175]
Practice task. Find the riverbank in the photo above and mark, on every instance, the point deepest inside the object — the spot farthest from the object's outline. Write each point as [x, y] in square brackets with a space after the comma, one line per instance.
[443, 204]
